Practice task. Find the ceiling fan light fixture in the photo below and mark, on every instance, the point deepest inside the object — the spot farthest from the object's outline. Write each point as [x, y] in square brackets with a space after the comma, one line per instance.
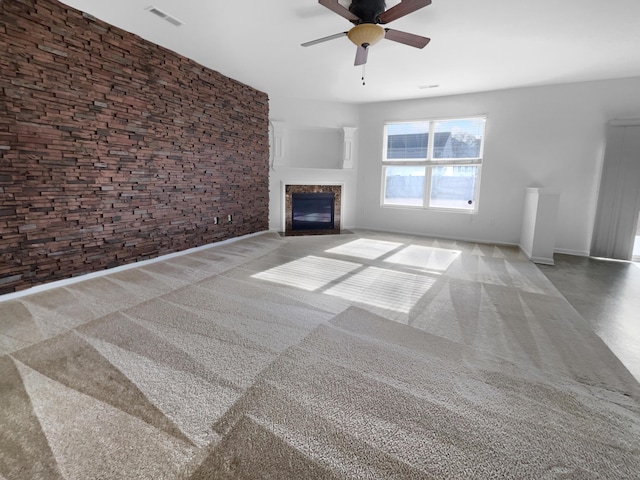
[366, 34]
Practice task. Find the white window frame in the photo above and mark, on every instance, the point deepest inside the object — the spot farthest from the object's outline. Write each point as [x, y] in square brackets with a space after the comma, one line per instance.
[429, 163]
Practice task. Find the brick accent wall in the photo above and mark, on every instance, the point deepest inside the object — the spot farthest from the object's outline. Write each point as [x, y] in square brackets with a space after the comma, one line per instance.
[114, 150]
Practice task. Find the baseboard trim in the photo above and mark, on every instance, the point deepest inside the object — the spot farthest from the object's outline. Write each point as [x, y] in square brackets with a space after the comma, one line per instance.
[88, 276]
[541, 260]
[576, 253]
[438, 237]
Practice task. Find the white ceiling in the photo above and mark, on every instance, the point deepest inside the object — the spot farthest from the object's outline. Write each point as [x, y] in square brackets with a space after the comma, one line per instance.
[477, 45]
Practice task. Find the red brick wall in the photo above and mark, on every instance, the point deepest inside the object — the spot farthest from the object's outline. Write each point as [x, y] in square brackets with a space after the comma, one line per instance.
[114, 150]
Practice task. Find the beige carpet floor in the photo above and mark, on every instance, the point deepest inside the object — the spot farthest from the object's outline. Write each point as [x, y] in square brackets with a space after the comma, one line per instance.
[367, 355]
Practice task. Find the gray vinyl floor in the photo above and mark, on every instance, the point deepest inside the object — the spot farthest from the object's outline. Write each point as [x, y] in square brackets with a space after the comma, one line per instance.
[607, 295]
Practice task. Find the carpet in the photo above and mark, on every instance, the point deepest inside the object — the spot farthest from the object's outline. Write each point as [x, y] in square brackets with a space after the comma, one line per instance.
[367, 355]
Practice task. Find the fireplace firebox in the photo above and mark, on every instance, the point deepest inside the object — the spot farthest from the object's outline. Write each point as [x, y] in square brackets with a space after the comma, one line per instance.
[312, 211]
[317, 209]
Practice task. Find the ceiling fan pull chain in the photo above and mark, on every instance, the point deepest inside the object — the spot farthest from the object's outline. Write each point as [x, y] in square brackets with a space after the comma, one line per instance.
[363, 72]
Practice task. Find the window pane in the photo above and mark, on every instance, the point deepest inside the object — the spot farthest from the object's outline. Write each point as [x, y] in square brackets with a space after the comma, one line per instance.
[458, 138]
[407, 141]
[454, 186]
[404, 186]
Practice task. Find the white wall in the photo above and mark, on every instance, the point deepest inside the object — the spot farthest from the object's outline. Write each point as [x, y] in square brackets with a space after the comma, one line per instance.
[312, 152]
[541, 136]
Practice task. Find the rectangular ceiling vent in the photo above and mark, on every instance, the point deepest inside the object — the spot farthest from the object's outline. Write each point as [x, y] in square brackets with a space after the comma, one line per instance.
[172, 20]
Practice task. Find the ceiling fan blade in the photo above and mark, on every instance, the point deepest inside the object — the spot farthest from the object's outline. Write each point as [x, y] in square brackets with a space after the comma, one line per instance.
[324, 39]
[334, 6]
[361, 56]
[406, 38]
[405, 7]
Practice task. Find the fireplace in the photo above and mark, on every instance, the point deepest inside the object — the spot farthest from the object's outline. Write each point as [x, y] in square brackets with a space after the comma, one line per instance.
[312, 209]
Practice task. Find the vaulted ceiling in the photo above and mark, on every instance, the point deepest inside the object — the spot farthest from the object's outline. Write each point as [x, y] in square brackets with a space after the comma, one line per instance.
[477, 45]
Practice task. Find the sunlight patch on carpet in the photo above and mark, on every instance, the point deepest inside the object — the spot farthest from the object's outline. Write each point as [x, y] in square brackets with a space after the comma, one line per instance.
[365, 248]
[383, 288]
[425, 258]
[308, 273]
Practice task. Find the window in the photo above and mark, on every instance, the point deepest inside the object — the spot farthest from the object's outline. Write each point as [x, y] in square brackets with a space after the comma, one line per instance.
[433, 164]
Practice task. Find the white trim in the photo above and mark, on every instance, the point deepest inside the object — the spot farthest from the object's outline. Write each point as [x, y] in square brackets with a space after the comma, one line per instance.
[576, 253]
[429, 163]
[435, 236]
[278, 131]
[88, 276]
[542, 260]
[624, 122]
[463, 211]
[347, 148]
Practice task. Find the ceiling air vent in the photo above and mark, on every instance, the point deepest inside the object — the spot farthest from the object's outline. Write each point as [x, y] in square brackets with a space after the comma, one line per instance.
[172, 20]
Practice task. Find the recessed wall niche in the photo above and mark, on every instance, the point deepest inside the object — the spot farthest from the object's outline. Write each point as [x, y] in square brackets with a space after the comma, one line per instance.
[311, 147]
[315, 148]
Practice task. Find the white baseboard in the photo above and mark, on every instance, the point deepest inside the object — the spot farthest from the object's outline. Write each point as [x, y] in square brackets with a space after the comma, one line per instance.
[438, 237]
[87, 276]
[541, 260]
[576, 253]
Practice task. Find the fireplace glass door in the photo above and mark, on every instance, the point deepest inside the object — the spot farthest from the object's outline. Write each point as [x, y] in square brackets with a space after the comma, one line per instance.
[312, 211]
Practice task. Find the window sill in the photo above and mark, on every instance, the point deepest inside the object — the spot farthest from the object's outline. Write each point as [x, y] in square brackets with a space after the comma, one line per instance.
[430, 209]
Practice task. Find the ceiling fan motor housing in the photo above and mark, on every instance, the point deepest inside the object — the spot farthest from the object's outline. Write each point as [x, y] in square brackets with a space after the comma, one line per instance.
[367, 11]
[366, 34]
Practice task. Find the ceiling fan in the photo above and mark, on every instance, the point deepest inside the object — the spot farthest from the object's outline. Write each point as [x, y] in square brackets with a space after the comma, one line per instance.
[367, 15]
